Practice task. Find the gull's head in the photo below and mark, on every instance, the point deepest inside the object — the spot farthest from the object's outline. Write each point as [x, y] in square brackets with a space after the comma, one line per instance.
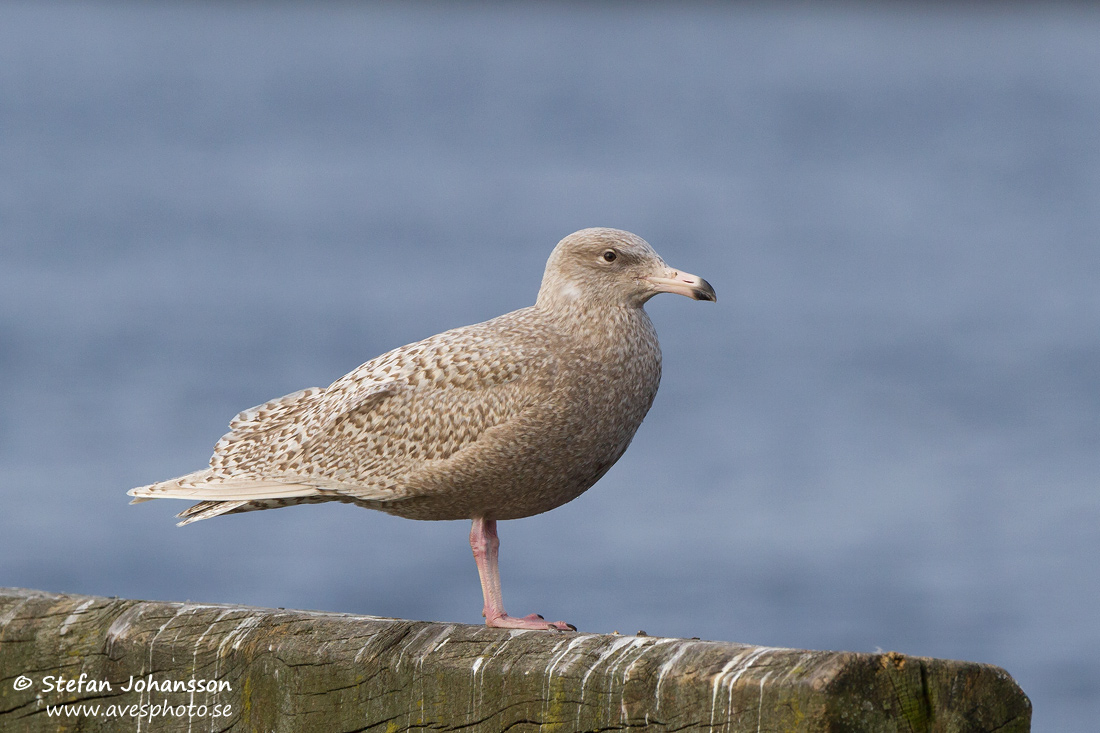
[613, 267]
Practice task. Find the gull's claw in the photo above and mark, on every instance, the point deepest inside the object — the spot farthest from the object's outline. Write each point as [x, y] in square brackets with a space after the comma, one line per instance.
[532, 621]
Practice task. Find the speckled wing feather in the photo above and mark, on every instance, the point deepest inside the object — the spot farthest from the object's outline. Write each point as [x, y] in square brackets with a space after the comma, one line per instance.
[369, 432]
[361, 438]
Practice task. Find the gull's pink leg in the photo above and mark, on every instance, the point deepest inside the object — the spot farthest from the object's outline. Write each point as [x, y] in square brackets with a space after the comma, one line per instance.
[484, 542]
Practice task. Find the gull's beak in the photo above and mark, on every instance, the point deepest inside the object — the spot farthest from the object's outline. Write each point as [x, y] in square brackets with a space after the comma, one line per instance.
[682, 283]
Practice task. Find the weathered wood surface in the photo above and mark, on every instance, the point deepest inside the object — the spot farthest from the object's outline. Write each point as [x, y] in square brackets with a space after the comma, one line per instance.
[302, 671]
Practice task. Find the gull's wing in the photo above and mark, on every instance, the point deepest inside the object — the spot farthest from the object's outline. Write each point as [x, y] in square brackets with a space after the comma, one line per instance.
[362, 435]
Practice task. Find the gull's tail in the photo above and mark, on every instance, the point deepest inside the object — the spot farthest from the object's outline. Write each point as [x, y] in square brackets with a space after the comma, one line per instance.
[223, 495]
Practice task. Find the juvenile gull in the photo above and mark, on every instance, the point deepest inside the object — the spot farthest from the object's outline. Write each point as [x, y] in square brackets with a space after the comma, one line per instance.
[498, 420]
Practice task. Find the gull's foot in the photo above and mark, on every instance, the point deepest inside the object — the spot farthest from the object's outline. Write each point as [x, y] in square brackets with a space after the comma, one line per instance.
[532, 621]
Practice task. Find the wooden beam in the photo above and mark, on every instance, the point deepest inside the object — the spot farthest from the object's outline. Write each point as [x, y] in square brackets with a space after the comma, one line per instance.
[275, 670]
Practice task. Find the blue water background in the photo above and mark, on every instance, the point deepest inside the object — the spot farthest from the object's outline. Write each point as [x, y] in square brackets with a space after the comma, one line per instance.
[884, 435]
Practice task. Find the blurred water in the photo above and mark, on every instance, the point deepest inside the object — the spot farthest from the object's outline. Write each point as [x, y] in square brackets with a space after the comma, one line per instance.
[885, 435]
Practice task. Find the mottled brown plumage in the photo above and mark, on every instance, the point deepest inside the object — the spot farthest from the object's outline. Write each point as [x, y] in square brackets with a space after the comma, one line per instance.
[498, 420]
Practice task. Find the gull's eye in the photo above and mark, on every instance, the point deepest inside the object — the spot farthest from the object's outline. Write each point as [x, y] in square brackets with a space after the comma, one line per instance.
[610, 255]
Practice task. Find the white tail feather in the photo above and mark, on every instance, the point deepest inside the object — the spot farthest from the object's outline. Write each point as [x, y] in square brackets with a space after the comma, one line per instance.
[204, 485]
